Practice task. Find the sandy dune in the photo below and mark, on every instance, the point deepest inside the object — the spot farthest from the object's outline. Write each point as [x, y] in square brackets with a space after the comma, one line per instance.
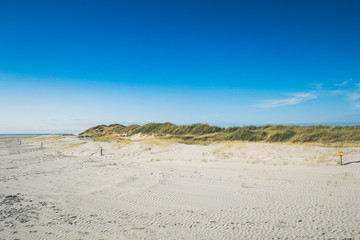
[149, 189]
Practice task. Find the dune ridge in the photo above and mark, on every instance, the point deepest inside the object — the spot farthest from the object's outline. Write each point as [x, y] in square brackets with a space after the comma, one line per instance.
[203, 133]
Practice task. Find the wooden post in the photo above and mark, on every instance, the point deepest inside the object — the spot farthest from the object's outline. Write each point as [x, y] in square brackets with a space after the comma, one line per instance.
[19, 142]
[340, 160]
[42, 144]
[101, 151]
[341, 154]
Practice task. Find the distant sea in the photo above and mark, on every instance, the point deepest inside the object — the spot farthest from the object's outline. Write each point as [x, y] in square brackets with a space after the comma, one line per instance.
[29, 134]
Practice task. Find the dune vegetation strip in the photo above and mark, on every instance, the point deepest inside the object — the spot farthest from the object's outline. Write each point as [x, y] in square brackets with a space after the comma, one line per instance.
[203, 133]
[75, 145]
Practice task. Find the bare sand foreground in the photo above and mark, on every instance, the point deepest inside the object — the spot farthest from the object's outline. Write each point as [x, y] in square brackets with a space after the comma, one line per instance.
[151, 189]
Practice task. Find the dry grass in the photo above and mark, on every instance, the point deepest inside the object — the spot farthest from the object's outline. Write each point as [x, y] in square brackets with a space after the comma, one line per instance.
[75, 145]
[105, 138]
[156, 144]
[204, 134]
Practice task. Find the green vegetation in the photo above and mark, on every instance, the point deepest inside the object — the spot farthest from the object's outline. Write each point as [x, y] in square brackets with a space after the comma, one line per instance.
[203, 133]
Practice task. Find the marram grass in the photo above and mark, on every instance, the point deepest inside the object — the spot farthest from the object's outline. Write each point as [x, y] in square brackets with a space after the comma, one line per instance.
[204, 134]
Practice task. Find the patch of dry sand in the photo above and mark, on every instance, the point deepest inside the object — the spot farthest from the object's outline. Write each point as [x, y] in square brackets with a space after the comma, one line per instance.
[151, 189]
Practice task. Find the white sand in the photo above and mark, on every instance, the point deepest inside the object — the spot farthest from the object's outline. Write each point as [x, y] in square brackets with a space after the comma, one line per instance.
[150, 189]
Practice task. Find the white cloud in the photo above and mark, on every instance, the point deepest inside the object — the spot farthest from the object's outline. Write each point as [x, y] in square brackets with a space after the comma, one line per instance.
[342, 84]
[295, 99]
[306, 95]
[336, 92]
[348, 90]
[354, 96]
[356, 105]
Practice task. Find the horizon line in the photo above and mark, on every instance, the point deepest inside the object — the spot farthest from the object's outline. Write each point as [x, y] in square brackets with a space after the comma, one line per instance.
[340, 124]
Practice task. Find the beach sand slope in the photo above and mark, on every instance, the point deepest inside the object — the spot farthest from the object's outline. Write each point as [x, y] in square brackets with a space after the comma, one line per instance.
[153, 189]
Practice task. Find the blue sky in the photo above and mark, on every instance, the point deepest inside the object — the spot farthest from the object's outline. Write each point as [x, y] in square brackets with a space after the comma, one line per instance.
[69, 65]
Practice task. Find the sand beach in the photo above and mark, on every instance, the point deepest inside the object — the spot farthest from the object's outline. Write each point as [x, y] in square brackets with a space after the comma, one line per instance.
[157, 189]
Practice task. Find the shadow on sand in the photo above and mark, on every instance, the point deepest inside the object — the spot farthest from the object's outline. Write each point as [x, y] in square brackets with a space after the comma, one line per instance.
[351, 162]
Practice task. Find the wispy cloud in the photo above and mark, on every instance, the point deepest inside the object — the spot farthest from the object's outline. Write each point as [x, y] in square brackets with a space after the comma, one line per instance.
[344, 83]
[295, 98]
[349, 90]
[354, 96]
[356, 105]
[335, 92]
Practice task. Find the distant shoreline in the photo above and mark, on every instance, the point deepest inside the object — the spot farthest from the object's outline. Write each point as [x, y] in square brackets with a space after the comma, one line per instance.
[28, 134]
